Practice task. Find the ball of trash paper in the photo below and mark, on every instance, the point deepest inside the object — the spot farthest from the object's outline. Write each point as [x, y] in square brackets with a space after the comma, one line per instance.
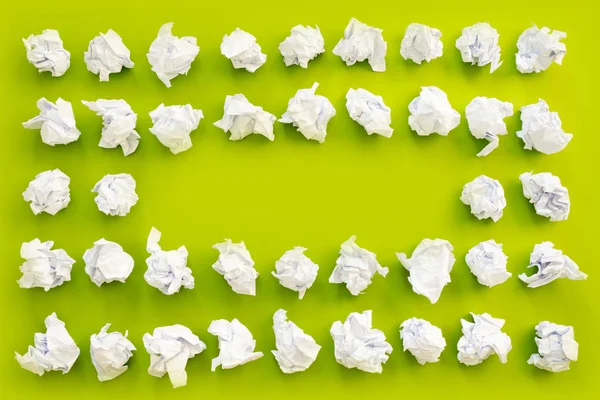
[421, 43]
[116, 194]
[539, 49]
[478, 45]
[431, 112]
[485, 196]
[49, 192]
[362, 42]
[303, 44]
[107, 54]
[47, 53]
[243, 51]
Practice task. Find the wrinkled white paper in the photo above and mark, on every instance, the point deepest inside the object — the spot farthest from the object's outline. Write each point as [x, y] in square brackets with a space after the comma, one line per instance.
[548, 196]
[54, 350]
[421, 43]
[296, 271]
[49, 192]
[485, 196]
[236, 266]
[107, 54]
[424, 340]
[296, 350]
[356, 267]
[431, 112]
[485, 117]
[170, 347]
[551, 264]
[539, 48]
[542, 129]
[236, 344]
[556, 347]
[305, 43]
[47, 53]
[171, 55]
[174, 124]
[118, 124]
[107, 262]
[55, 121]
[487, 262]
[116, 194]
[478, 45]
[358, 345]
[242, 118]
[429, 267]
[310, 113]
[167, 270]
[362, 42]
[243, 51]
[370, 111]
[481, 339]
[44, 267]
[110, 353]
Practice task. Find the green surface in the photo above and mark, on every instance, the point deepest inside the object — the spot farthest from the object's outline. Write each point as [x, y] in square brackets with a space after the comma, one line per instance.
[391, 193]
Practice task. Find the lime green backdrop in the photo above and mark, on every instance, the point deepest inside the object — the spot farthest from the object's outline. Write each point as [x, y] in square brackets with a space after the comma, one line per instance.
[391, 193]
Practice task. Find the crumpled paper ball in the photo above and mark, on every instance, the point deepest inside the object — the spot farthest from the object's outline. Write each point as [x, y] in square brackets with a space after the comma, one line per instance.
[174, 124]
[431, 112]
[296, 351]
[362, 42]
[539, 49]
[478, 45]
[296, 271]
[55, 121]
[243, 51]
[310, 113]
[118, 124]
[49, 192]
[487, 262]
[358, 345]
[170, 347]
[54, 350]
[242, 118]
[542, 129]
[485, 117]
[549, 197]
[305, 43]
[556, 347]
[370, 111]
[481, 339]
[43, 267]
[236, 266]
[107, 54]
[424, 340]
[107, 262]
[485, 196]
[167, 270]
[236, 344]
[356, 267]
[429, 267]
[110, 353]
[47, 53]
[116, 194]
[551, 264]
[421, 43]
[170, 55]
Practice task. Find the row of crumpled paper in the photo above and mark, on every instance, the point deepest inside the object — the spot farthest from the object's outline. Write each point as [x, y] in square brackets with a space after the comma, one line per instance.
[171, 56]
[49, 192]
[430, 112]
[429, 266]
[356, 345]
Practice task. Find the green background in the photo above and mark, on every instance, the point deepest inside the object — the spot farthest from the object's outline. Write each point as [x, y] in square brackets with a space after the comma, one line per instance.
[391, 193]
